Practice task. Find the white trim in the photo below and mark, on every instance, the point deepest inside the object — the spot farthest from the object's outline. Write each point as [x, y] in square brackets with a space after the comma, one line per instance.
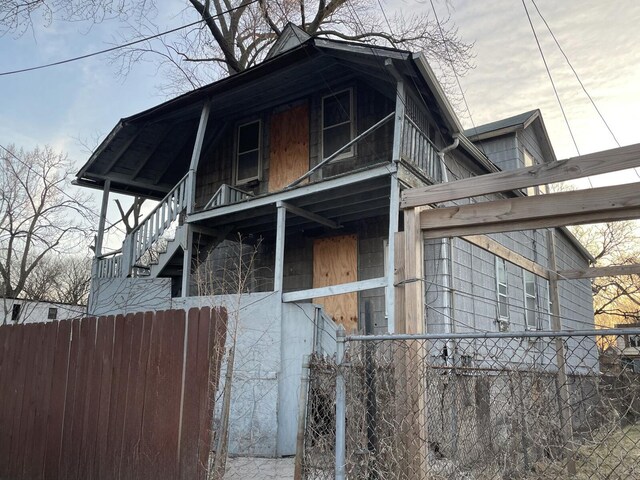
[352, 151]
[526, 295]
[238, 126]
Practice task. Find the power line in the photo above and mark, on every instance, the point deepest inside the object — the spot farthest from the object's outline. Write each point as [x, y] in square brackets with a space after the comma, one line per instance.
[129, 44]
[546, 66]
[575, 73]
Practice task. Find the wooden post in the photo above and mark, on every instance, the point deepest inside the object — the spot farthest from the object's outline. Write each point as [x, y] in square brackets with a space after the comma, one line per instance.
[394, 202]
[195, 156]
[103, 217]
[186, 261]
[278, 275]
[563, 385]
[414, 275]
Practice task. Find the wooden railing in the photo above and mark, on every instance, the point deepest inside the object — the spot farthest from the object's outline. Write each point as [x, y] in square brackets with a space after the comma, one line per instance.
[226, 195]
[418, 150]
[110, 267]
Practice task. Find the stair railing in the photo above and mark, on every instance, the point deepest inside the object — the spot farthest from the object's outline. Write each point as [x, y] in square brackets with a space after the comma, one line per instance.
[418, 149]
[226, 195]
[147, 233]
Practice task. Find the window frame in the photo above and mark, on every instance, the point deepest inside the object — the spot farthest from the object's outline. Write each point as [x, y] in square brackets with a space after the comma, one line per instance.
[236, 163]
[501, 261]
[351, 151]
[52, 314]
[16, 311]
[526, 296]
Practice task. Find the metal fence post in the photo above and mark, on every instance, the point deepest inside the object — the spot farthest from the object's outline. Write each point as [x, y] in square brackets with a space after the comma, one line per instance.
[341, 401]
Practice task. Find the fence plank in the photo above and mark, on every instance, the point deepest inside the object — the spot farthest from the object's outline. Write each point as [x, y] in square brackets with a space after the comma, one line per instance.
[14, 338]
[20, 412]
[92, 399]
[190, 413]
[70, 403]
[135, 396]
[104, 352]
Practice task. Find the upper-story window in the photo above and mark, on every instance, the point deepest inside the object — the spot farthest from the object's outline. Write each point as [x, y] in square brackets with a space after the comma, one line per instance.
[502, 289]
[248, 153]
[530, 300]
[337, 124]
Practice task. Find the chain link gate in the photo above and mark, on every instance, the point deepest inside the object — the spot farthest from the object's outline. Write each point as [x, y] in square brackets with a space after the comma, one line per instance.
[530, 405]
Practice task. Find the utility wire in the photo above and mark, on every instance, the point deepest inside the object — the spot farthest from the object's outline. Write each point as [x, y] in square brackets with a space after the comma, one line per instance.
[117, 47]
[575, 73]
[546, 66]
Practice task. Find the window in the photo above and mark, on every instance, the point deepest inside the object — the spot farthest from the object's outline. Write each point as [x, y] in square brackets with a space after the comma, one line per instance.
[53, 313]
[633, 341]
[15, 312]
[248, 153]
[529, 161]
[530, 303]
[337, 124]
[501, 289]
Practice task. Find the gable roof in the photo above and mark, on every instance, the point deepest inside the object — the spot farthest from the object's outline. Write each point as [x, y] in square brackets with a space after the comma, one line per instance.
[291, 37]
[501, 127]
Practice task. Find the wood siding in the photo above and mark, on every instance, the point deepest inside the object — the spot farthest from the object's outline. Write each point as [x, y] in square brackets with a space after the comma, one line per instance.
[289, 146]
[335, 261]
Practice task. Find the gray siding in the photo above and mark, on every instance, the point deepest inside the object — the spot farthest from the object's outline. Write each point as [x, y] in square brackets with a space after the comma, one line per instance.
[503, 151]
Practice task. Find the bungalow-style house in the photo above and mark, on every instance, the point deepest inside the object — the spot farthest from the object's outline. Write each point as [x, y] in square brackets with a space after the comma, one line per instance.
[282, 183]
[20, 311]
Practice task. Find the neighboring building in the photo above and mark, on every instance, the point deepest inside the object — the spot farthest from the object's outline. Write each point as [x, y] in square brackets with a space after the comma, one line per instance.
[288, 177]
[30, 311]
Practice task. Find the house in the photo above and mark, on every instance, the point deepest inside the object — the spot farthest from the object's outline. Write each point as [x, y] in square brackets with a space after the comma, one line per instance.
[19, 310]
[282, 183]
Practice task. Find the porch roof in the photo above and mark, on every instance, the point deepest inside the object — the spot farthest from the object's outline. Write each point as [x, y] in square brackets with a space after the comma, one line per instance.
[145, 153]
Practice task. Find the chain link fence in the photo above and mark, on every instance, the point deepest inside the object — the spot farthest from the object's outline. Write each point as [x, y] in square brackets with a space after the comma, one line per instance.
[529, 405]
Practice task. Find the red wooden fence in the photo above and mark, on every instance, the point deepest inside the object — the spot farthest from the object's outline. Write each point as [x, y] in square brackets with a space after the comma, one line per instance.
[122, 397]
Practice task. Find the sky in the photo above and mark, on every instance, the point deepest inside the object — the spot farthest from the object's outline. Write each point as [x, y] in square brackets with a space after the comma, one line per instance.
[80, 102]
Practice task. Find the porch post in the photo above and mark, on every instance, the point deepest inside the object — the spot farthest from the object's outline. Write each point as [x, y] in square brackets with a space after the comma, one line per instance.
[195, 156]
[186, 261]
[103, 217]
[280, 236]
[394, 202]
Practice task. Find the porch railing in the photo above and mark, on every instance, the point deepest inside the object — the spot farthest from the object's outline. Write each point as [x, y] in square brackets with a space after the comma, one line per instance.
[226, 195]
[109, 267]
[418, 150]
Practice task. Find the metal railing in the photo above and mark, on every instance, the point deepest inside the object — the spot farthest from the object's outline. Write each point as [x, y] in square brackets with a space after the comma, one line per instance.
[418, 149]
[486, 406]
[227, 195]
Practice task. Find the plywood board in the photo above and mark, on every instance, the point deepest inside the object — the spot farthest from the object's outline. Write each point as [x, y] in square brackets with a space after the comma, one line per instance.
[289, 146]
[335, 261]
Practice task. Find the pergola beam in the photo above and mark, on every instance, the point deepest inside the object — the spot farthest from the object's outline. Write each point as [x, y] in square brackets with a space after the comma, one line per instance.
[314, 217]
[620, 202]
[570, 169]
[596, 272]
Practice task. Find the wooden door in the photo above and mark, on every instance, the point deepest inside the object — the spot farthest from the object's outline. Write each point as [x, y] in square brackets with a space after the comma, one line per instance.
[288, 146]
[335, 261]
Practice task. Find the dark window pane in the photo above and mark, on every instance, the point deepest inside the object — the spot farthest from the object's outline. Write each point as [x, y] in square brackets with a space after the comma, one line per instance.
[248, 165]
[337, 109]
[249, 137]
[334, 138]
[53, 314]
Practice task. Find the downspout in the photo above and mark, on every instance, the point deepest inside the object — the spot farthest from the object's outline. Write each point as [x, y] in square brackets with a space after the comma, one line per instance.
[447, 264]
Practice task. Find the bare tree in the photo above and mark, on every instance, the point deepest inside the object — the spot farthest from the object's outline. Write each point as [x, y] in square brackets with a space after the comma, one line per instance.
[616, 299]
[40, 216]
[236, 34]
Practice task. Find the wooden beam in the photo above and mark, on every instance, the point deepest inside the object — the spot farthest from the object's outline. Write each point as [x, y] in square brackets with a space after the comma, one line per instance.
[143, 161]
[491, 246]
[121, 151]
[398, 279]
[413, 321]
[278, 270]
[195, 156]
[389, 296]
[570, 169]
[310, 215]
[595, 272]
[334, 290]
[103, 217]
[620, 202]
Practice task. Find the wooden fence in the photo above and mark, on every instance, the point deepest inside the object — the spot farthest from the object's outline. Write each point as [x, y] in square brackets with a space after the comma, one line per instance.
[122, 397]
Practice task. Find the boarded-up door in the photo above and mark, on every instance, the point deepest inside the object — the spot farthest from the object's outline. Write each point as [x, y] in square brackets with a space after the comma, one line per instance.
[335, 261]
[288, 146]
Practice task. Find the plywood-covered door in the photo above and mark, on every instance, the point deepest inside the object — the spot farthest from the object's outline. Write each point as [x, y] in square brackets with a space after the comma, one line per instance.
[288, 146]
[335, 261]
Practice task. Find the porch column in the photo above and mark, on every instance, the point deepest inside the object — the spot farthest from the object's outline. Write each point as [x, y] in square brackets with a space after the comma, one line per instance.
[195, 156]
[187, 247]
[278, 274]
[394, 201]
[103, 217]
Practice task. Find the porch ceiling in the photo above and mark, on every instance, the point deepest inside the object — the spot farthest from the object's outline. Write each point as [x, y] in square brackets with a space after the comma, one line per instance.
[345, 203]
